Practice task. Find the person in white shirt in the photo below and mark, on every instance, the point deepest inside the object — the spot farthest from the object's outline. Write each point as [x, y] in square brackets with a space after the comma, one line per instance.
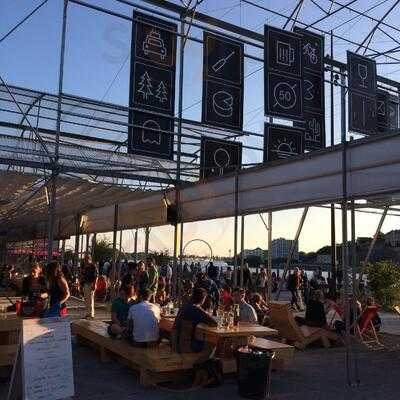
[143, 319]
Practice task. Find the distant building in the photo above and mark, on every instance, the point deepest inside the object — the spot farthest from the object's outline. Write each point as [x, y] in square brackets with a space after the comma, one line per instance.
[280, 248]
[323, 259]
[392, 238]
[257, 252]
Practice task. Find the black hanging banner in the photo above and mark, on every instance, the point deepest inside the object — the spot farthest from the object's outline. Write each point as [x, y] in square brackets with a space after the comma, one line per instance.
[362, 113]
[362, 74]
[282, 142]
[219, 156]
[362, 94]
[312, 53]
[283, 85]
[152, 83]
[152, 136]
[393, 112]
[223, 63]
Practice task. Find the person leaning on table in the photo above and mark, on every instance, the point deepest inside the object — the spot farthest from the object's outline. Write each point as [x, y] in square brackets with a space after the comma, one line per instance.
[183, 338]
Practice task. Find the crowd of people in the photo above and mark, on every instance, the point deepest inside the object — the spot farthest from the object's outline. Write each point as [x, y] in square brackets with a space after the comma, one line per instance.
[143, 290]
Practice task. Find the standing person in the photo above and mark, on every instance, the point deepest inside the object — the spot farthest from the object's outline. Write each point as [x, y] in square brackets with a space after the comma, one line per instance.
[58, 290]
[210, 287]
[152, 274]
[304, 284]
[212, 271]
[228, 276]
[89, 280]
[293, 285]
[262, 283]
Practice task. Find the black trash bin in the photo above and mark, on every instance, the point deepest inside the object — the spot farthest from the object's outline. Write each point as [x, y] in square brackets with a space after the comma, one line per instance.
[254, 372]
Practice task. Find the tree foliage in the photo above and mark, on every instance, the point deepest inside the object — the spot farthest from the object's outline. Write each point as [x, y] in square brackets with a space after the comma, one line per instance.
[103, 250]
[384, 281]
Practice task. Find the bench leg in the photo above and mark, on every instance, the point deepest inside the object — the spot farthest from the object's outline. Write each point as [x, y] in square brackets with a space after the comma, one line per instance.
[145, 378]
[104, 355]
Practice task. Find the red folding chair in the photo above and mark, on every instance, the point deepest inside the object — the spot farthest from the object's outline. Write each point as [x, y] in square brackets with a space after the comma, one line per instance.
[364, 328]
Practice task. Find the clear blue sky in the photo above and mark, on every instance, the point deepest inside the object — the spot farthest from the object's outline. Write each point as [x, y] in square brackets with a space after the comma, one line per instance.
[98, 47]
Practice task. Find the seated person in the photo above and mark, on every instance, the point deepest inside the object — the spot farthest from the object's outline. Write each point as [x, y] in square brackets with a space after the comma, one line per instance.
[247, 312]
[340, 325]
[184, 329]
[315, 312]
[143, 319]
[226, 297]
[161, 295]
[258, 303]
[187, 292]
[119, 312]
[377, 322]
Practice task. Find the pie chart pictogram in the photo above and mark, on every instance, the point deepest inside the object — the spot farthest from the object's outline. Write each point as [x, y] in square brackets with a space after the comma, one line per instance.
[223, 104]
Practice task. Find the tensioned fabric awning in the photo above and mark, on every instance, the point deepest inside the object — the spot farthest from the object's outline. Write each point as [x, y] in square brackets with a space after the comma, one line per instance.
[373, 169]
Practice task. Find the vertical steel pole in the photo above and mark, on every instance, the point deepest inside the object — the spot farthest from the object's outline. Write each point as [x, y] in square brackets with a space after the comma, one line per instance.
[269, 269]
[345, 257]
[354, 281]
[77, 234]
[235, 233]
[146, 240]
[120, 241]
[54, 172]
[114, 244]
[242, 251]
[62, 251]
[94, 239]
[179, 281]
[333, 222]
[180, 97]
[87, 244]
[135, 245]
[175, 264]
[376, 235]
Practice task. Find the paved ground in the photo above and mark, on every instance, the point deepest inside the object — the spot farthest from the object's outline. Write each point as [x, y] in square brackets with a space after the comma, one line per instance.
[315, 374]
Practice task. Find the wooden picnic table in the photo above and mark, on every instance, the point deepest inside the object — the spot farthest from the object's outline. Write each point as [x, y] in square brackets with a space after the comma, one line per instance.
[225, 339]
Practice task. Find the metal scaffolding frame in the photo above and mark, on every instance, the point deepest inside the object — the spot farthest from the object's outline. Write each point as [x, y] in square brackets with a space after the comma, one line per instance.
[59, 143]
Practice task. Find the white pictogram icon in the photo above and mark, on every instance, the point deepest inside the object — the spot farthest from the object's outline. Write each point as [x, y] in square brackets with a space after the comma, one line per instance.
[310, 51]
[223, 104]
[145, 86]
[313, 131]
[308, 86]
[285, 95]
[363, 74]
[284, 54]
[161, 92]
[151, 132]
[381, 108]
[153, 44]
[221, 159]
[221, 62]
[284, 147]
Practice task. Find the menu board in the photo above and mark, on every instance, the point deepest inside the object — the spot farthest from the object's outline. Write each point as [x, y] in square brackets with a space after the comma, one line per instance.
[47, 359]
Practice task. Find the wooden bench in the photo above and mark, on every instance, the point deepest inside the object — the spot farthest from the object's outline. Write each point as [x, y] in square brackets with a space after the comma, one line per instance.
[283, 352]
[300, 336]
[156, 364]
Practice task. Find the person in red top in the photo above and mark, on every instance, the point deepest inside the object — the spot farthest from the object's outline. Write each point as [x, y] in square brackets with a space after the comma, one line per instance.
[226, 297]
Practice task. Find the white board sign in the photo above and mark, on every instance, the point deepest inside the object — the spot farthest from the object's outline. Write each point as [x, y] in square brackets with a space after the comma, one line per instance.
[47, 368]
